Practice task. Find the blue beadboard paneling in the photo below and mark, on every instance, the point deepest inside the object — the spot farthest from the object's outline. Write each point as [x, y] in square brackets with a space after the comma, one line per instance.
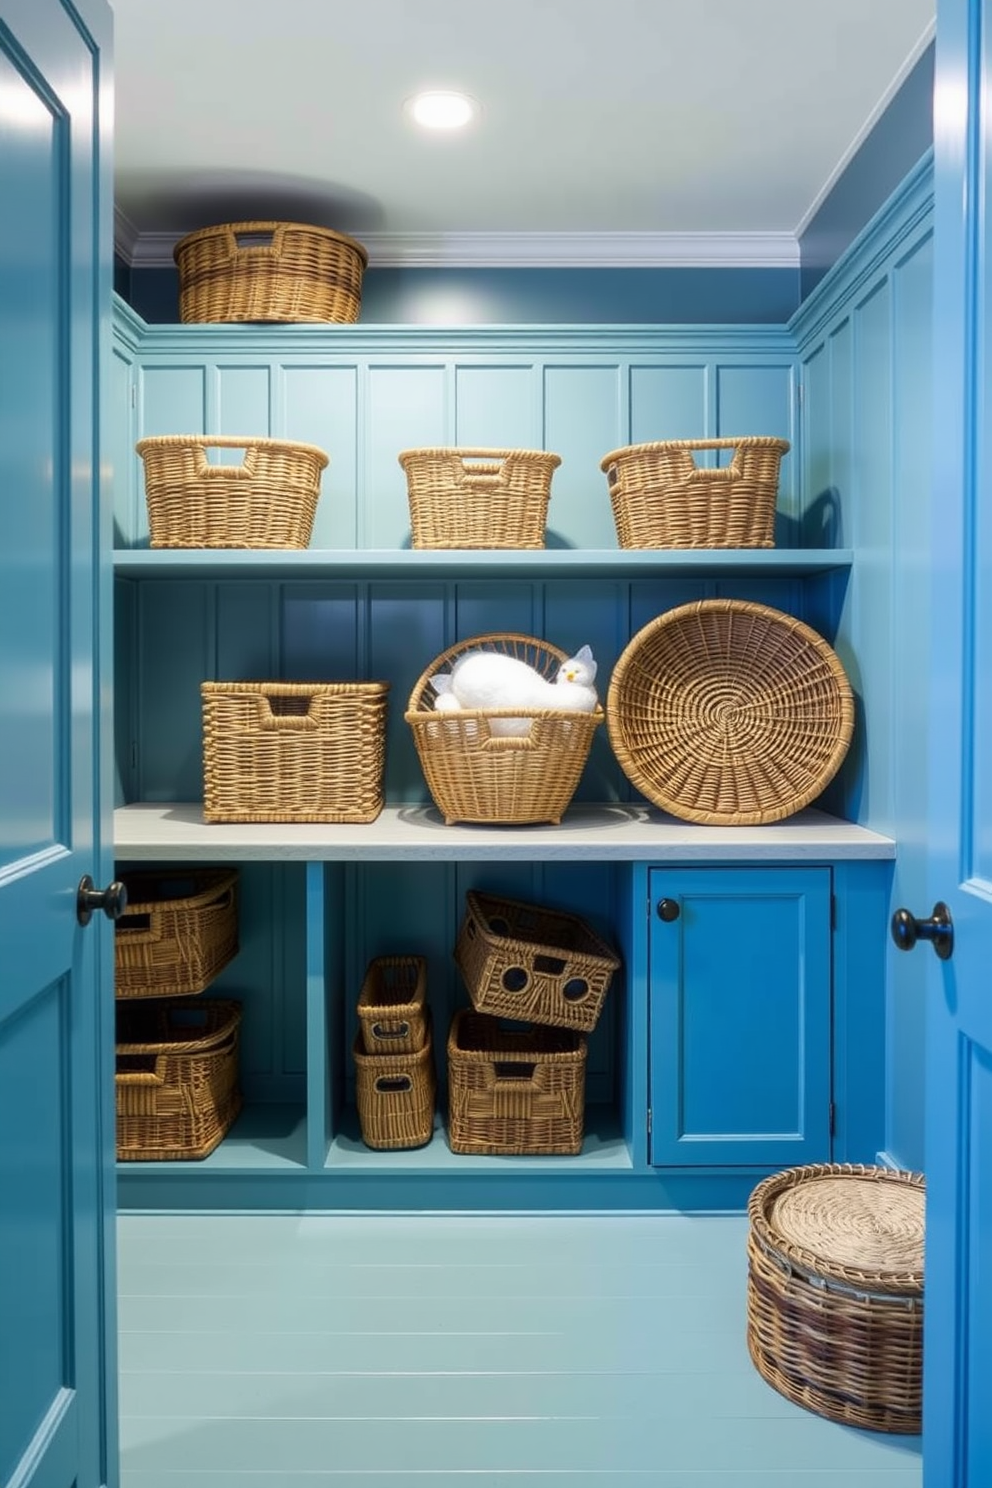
[407, 408]
[319, 405]
[498, 407]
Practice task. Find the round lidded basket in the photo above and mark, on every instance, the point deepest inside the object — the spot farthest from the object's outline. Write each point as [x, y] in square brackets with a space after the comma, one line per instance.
[729, 713]
[662, 499]
[473, 773]
[269, 271]
[478, 498]
[835, 1292]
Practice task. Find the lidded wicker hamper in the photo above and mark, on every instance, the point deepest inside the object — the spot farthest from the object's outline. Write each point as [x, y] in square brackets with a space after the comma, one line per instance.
[269, 271]
[662, 499]
[268, 501]
[835, 1292]
[478, 498]
[392, 1005]
[179, 931]
[395, 1094]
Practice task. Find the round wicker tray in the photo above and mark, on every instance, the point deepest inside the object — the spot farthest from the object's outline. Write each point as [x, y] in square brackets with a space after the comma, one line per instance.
[729, 713]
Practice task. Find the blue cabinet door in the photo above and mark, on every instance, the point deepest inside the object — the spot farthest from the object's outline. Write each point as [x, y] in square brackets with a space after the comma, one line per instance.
[739, 1004]
[56, 986]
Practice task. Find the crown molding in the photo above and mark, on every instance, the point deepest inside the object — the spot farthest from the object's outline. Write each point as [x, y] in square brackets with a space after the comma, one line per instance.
[594, 250]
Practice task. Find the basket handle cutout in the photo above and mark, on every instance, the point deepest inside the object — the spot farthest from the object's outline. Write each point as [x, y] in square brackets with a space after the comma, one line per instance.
[214, 470]
[138, 1069]
[382, 1031]
[515, 979]
[393, 1084]
[137, 926]
[553, 965]
[256, 240]
[507, 1071]
[287, 710]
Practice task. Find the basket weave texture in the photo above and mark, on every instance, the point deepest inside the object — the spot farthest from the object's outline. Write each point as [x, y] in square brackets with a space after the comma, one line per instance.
[729, 713]
[662, 499]
[176, 1078]
[293, 751]
[269, 271]
[835, 1292]
[478, 498]
[537, 965]
[395, 1095]
[392, 1005]
[268, 501]
[179, 931]
[477, 776]
[514, 1092]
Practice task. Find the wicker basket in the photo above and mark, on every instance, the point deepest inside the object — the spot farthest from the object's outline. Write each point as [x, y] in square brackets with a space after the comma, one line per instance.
[177, 1078]
[392, 1005]
[293, 752]
[539, 965]
[478, 498]
[835, 1292]
[514, 1092]
[268, 501]
[395, 1095]
[729, 713]
[178, 933]
[261, 271]
[662, 499]
[476, 776]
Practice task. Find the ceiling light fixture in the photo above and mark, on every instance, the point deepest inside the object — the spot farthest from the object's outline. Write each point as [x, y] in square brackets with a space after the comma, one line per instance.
[439, 110]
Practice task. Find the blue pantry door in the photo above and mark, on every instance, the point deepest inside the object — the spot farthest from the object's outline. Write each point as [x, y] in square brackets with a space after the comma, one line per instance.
[958, 1284]
[57, 1356]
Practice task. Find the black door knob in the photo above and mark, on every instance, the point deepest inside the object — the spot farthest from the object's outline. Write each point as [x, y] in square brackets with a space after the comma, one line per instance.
[668, 910]
[112, 900]
[938, 930]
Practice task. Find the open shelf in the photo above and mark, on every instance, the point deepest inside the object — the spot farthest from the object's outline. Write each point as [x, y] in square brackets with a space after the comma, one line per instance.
[264, 1139]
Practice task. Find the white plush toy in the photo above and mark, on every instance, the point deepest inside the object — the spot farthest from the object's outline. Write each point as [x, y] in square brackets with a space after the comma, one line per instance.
[491, 679]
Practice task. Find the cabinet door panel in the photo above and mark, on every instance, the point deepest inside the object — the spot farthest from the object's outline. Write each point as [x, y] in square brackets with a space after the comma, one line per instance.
[740, 993]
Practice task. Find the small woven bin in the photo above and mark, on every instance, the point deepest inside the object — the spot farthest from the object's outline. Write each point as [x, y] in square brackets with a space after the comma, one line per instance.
[176, 1078]
[269, 271]
[395, 1095]
[392, 1005]
[179, 931]
[729, 713]
[293, 752]
[835, 1292]
[514, 1092]
[268, 501]
[478, 498]
[662, 499]
[537, 965]
[475, 775]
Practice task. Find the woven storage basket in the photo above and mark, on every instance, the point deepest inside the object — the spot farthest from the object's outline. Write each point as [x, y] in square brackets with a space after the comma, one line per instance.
[395, 1095]
[392, 1005]
[729, 713]
[662, 499]
[835, 1292]
[268, 501]
[538, 965]
[478, 498]
[259, 271]
[285, 751]
[513, 1091]
[179, 931]
[177, 1078]
[476, 776]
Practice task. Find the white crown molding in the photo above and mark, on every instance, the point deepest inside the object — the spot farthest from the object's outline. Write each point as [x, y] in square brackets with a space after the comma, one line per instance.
[526, 250]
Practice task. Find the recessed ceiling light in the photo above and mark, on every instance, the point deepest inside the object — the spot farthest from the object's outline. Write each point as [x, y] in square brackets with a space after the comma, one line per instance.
[442, 110]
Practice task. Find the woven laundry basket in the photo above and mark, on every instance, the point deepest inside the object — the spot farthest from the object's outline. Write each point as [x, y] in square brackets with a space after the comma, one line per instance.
[478, 498]
[729, 713]
[835, 1292]
[392, 1005]
[268, 501]
[395, 1094]
[179, 931]
[661, 498]
[269, 271]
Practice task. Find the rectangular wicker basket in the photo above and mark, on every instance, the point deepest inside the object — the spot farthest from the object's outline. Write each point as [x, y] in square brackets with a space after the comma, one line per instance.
[176, 1078]
[293, 752]
[514, 1091]
[268, 501]
[539, 965]
[392, 1005]
[478, 498]
[179, 931]
[395, 1095]
[662, 499]
[269, 271]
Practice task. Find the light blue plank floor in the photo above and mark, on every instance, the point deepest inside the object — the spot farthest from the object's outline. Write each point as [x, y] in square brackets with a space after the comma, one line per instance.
[288, 1351]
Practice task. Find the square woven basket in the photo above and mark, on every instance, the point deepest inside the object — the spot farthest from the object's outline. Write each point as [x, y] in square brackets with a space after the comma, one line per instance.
[392, 1005]
[395, 1095]
[293, 752]
[478, 498]
[176, 1078]
[538, 965]
[514, 1091]
[269, 271]
[179, 931]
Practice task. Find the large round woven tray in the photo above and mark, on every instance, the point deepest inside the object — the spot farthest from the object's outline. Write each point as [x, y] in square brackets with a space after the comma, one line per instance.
[835, 1292]
[729, 713]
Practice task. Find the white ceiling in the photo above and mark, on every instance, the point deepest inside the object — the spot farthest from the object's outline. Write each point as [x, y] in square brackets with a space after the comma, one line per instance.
[625, 121]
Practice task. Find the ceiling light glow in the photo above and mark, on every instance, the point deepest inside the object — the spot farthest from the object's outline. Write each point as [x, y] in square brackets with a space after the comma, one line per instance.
[442, 110]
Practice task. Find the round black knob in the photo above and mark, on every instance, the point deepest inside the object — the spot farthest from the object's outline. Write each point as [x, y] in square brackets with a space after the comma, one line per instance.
[112, 900]
[938, 930]
[668, 910]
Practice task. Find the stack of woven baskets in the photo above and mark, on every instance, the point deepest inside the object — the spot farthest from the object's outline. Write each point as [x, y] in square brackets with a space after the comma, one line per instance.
[393, 1054]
